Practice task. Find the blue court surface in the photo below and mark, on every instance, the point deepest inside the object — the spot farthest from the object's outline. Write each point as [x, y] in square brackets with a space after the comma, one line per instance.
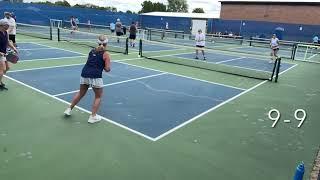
[237, 61]
[145, 101]
[33, 51]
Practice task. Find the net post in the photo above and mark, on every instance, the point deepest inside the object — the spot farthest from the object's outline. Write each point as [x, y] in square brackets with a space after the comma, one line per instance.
[306, 53]
[50, 32]
[278, 69]
[127, 46]
[294, 50]
[274, 69]
[241, 40]
[58, 34]
[163, 34]
[140, 48]
[250, 41]
[149, 34]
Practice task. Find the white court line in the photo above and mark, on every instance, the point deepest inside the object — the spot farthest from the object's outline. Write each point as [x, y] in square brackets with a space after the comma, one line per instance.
[287, 69]
[120, 61]
[160, 51]
[69, 57]
[312, 56]
[136, 132]
[65, 65]
[60, 49]
[47, 67]
[33, 49]
[82, 109]
[184, 76]
[206, 112]
[53, 47]
[215, 107]
[30, 40]
[230, 60]
[115, 83]
[223, 64]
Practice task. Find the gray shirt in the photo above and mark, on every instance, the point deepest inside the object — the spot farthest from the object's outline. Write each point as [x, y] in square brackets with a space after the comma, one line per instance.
[118, 27]
[133, 29]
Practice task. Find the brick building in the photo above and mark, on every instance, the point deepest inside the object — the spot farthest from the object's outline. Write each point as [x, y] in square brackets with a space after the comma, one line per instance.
[284, 11]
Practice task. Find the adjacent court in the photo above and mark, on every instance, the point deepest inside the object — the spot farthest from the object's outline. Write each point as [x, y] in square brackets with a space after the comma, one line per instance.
[33, 51]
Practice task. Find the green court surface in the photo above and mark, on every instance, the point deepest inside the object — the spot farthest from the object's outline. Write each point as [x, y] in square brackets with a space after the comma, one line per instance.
[233, 141]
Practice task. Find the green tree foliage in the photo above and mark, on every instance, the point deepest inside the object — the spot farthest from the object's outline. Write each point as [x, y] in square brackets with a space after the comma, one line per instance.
[159, 7]
[46, 2]
[66, 4]
[177, 6]
[62, 3]
[148, 6]
[92, 6]
[198, 10]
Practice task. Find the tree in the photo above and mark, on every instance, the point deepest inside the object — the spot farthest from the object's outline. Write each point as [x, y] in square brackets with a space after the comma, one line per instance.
[177, 6]
[47, 3]
[62, 3]
[159, 7]
[198, 10]
[92, 6]
[148, 6]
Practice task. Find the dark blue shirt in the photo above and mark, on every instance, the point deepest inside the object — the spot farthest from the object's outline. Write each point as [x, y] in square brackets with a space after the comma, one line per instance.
[94, 65]
[3, 41]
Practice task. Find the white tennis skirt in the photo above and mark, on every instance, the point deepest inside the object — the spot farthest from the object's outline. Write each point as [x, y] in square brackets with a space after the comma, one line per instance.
[3, 58]
[93, 82]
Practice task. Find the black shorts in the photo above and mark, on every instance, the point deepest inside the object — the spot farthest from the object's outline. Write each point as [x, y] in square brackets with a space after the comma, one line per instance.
[132, 36]
[12, 38]
[199, 46]
[119, 33]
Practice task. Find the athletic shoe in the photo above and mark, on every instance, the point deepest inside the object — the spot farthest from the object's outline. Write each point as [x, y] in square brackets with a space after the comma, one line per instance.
[67, 112]
[2, 87]
[196, 57]
[204, 58]
[94, 119]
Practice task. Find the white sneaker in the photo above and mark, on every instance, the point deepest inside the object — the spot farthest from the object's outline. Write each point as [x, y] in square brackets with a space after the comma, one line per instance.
[94, 119]
[67, 112]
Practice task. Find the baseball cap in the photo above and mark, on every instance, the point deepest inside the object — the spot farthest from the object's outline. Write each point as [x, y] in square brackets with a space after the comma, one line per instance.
[3, 22]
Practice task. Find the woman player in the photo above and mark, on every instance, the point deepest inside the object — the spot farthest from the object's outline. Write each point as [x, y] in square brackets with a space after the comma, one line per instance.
[4, 44]
[274, 44]
[91, 76]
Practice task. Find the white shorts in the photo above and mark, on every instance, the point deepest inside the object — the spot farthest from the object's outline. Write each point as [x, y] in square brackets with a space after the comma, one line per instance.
[3, 58]
[93, 82]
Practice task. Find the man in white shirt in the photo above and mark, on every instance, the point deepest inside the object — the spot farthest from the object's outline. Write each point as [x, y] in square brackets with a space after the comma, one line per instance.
[315, 40]
[200, 43]
[12, 27]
